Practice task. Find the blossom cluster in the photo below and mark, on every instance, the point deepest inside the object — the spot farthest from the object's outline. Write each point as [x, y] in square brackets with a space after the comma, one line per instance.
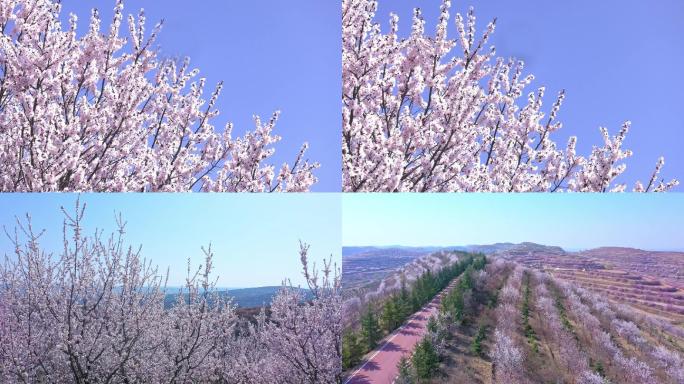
[99, 312]
[433, 113]
[507, 353]
[103, 112]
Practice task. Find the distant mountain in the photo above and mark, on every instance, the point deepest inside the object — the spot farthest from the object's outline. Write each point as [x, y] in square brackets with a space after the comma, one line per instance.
[350, 251]
[620, 251]
[534, 247]
[363, 265]
[174, 290]
[245, 297]
[253, 297]
[490, 248]
[397, 249]
[354, 250]
[384, 250]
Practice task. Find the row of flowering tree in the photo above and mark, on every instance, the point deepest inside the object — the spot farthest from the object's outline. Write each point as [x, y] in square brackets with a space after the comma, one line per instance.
[357, 299]
[576, 336]
[457, 306]
[507, 352]
[99, 110]
[432, 113]
[544, 330]
[384, 314]
[653, 352]
[96, 313]
[560, 332]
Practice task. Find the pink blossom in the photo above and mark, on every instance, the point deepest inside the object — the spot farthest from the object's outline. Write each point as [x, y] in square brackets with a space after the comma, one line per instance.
[97, 312]
[103, 112]
[433, 113]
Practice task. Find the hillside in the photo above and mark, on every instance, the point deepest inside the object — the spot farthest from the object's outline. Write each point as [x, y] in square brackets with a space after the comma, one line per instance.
[244, 297]
[650, 282]
[378, 250]
[372, 265]
[520, 325]
[366, 266]
[665, 265]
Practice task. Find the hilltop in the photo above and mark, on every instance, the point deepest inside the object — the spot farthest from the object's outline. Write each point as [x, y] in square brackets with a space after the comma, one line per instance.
[244, 297]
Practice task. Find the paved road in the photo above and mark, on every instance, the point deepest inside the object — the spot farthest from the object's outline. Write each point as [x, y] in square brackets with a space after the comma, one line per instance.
[381, 365]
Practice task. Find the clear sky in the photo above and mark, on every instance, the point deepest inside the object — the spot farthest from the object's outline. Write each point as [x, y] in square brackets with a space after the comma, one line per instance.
[255, 237]
[573, 221]
[271, 55]
[618, 60]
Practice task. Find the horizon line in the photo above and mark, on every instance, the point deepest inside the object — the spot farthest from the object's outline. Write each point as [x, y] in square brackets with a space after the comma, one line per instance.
[565, 248]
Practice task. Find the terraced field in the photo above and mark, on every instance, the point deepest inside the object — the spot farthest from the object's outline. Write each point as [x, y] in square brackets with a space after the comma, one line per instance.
[645, 293]
[651, 282]
[548, 328]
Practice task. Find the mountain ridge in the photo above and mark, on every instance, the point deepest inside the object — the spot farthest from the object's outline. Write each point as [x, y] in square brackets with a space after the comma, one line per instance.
[352, 250]
[252, 297]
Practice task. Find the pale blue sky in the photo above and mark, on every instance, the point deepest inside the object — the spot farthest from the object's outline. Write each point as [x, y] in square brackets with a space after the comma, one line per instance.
[255, 237]
[617, 59]
[573, 221]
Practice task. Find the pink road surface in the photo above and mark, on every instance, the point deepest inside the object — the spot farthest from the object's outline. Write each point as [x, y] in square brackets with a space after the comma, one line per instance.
[381, 365]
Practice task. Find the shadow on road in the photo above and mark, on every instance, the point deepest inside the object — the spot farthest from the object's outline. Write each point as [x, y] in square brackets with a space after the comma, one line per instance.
[393, 347]
[408, 332]
[360, 379]
[371, 366]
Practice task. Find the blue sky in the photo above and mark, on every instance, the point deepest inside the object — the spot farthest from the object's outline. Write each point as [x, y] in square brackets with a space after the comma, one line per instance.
[617, 60]
[573, 221]
[273, 55]
[255, 237]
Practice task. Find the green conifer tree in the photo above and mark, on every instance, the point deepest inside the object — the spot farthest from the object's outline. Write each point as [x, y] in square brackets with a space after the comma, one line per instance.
[425, 359]
[352, 349]
[405, 372]
[370, 329]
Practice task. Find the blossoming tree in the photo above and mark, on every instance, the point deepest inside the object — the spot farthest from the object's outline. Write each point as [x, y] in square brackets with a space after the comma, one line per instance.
[431, 113]
[102, 112]
[98, 312]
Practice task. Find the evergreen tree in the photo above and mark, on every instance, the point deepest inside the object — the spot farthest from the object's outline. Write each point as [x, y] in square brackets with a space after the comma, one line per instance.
[352, 349]
[370, 329]
[405, 372]
[425, 359]
[415, 302]
[432, 324]
[480, 262]
[458, 305]
[466, 281]
[476, 345]
[390, 315]
[404, 307]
